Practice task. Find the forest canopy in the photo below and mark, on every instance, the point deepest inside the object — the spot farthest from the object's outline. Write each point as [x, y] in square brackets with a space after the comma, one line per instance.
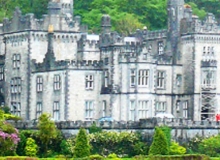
[126, 15]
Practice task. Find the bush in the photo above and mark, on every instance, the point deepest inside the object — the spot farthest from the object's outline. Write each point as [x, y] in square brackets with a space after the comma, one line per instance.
[8, 137]
[96, 157]
[210, 146]
[167, 132]
[120, 143]
[112, 155]
[94, 128]
[159, 145]
[176, 149]
[82, 147]
[31, 148]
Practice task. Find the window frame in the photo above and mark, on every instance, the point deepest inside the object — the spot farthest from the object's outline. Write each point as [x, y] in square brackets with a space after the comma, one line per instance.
[39, 84]
[89, 84]
[57, 82]
[161, 78]
[160, 48]
[39, 109]
[56, 110]
[143, 109]
[143, 77]
[89, 110]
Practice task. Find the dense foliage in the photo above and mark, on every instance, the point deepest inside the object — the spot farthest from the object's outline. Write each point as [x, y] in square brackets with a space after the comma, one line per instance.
[121, 143]
[31, 148]
[126, 15]
[47, 131]
[160, 144]
[82, 146]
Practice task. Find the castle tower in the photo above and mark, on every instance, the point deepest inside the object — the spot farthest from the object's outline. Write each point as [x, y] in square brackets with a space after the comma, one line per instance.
[66, 6]
[106, 24]
[175, 11]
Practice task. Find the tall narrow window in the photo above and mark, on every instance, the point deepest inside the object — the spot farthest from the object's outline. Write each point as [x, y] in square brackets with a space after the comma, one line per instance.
[178, 80]
[208, 78]
[160, 79]
[38, 110]
[161, 107]
[16, 108]
[132, 110]
[89, 110]
[143, 109]
[39, 84]
[185, 109]
[16, 61]
[143, 77]
[1, 73]
[89, 82]
[132, 77]
[56, 110]
[104, 108]
[160, 48]
[106, 78]
[57, 82]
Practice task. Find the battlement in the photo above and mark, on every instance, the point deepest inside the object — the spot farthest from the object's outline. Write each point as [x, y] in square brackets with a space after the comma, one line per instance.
[208, 25]
[210, 63]
[108, 39]
[149, 123]
[21, 22]
[69, 64]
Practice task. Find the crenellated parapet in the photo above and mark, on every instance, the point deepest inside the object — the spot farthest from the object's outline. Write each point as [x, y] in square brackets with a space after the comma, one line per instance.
[61, 22]
[68, 64]
[109, 39]
[208, 25]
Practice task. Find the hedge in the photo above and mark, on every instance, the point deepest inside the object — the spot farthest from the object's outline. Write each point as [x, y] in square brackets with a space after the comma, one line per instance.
[181, 157]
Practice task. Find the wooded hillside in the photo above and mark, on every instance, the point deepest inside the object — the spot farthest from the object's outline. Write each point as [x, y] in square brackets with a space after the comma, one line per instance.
[127, 15]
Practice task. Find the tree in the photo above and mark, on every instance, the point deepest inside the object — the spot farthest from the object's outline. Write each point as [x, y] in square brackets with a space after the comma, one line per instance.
[31, 148]
[167, 132]
[159, 145]
[128, 24]
[47, 130]
[82, 147]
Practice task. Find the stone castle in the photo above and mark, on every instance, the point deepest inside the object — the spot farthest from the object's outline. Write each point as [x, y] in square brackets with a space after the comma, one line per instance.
[74, 75]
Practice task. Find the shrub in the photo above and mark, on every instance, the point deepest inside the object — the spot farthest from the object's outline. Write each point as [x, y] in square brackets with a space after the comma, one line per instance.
[167, 132]
[176, 149]
[121, 143]
[8, 137]
[180, 157]
[65, 148]
[82, 147]
[31, 147]
[96, 157]
[112, 155]
[210, 146]
[159, 145]
[94, 129]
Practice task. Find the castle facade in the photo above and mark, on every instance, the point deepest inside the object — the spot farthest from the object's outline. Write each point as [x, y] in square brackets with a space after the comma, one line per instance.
[74, 75]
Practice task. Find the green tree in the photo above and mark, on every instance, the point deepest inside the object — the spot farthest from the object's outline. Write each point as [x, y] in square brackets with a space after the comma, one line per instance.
[47, 131]
[167, 132]
[82, 147]
[31, 148]
[159, 145]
